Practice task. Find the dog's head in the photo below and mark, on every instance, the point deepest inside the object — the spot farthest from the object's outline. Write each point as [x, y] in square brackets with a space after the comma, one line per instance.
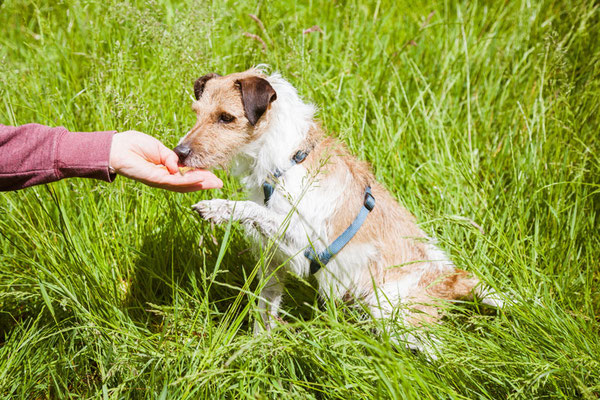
[232, 111]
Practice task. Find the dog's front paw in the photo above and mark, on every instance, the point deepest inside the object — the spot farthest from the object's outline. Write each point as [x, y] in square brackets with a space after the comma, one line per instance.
[216, 210]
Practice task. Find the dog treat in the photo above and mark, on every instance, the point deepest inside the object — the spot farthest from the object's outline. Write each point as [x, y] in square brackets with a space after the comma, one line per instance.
[183, 170]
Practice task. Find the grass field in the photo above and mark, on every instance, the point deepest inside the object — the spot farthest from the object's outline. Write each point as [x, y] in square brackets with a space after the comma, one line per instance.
[480, 116]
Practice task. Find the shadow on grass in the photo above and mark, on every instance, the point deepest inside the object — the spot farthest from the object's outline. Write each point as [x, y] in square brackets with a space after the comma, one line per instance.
[176, 266]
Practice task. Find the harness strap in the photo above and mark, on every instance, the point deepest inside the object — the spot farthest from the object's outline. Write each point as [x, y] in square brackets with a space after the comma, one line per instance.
[269, 187]
[321, 259]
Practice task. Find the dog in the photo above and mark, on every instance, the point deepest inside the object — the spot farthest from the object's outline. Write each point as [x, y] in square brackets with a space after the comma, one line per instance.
[321, 206]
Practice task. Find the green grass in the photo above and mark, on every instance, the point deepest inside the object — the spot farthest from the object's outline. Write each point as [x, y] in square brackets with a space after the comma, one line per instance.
[471, 113]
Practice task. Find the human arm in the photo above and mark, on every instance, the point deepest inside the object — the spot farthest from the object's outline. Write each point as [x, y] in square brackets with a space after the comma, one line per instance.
[34, 154]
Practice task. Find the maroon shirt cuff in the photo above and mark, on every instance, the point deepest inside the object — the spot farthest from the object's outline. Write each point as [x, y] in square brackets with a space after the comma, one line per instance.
[84, 155]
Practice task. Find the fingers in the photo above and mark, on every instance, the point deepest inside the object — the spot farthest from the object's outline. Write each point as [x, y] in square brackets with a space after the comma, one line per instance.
[190, 182]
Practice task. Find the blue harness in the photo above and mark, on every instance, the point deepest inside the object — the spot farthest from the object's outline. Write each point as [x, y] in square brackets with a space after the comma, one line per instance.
[269, 187]
[318, 260]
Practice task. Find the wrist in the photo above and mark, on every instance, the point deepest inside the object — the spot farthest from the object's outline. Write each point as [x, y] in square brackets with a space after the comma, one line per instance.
[113, 154]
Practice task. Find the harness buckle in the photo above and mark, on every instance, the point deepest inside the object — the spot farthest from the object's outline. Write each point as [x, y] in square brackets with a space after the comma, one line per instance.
[299, 156]
[369, 200]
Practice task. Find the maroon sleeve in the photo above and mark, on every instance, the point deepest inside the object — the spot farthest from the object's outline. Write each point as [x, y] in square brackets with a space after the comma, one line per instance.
[33, 154]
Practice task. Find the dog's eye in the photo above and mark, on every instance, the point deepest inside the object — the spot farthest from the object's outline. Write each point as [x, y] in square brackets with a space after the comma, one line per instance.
[226, 118]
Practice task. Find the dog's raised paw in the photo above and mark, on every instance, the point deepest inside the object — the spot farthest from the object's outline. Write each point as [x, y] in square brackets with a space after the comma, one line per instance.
[215, 210]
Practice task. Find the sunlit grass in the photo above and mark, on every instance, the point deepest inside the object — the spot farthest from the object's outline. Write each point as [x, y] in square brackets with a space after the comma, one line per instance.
[480, 117]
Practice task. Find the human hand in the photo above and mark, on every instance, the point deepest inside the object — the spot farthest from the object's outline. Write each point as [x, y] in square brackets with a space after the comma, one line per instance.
[144, 158]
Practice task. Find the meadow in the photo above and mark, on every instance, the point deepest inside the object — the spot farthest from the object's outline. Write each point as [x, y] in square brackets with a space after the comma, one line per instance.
[481, 117]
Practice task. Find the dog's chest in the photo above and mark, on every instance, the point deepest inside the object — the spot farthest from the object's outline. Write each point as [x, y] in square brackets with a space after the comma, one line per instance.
[305, 199]
[309, 205]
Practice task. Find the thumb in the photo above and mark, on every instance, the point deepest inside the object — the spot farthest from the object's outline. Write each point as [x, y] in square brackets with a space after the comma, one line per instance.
[170, 160]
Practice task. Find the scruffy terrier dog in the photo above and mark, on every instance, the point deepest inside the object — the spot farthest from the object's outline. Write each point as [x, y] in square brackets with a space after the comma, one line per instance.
[323, 208]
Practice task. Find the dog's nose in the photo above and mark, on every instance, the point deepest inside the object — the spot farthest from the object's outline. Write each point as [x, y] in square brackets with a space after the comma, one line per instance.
[182, 152]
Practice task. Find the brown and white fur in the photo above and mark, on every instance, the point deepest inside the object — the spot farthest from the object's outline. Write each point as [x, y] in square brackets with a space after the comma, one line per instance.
[257, 123]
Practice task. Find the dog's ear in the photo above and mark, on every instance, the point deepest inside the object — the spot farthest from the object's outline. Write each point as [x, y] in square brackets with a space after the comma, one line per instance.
[200, 82]
[257, 94]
